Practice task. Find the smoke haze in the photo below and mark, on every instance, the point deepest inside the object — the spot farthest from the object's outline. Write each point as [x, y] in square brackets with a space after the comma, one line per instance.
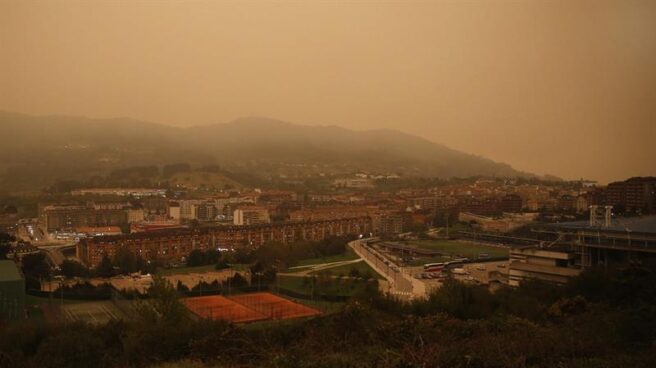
[560, 87]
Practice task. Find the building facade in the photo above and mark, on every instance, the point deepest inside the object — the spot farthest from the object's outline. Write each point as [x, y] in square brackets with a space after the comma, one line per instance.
[634, 194]
[176, 244]
[251, 215]
[546, 264]
[57, 217]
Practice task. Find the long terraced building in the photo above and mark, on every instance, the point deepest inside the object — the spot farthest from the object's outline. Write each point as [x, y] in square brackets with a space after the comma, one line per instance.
[175, 244]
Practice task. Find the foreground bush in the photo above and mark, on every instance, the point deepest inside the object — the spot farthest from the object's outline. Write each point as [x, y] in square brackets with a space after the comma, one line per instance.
[536, 325]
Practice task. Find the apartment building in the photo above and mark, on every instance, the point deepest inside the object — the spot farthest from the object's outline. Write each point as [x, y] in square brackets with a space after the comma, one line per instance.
[634, 194]
[57, 217]
[251, 215]
[175, 244]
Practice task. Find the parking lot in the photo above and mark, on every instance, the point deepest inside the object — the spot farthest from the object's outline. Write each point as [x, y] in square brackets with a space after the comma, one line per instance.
[478, 272]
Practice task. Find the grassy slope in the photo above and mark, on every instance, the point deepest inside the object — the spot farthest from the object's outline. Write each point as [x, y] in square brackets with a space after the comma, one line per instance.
[346, 256]
[338, 287]
[362, 267]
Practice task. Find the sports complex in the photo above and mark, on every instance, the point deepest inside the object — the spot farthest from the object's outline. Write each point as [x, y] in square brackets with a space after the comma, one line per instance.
[244, 308]
[238, 308]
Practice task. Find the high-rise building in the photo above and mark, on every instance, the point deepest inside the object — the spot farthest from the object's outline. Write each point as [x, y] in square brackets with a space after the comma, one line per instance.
[188, 208]
[634, 194]
[57, 217]
[251, 215]
[206, 211]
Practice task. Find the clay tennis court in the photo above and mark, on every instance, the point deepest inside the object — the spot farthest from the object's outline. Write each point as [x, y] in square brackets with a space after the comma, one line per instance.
[219, 307]
[245, 308]
[273, 306]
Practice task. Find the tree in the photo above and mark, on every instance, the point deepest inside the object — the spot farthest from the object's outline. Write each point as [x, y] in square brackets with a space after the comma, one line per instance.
[263, 273]
[5, 244]
[146, 266]
[221, 265]
[243, 255]
[181, 287]
[11, 209]
[195, 258]
[125, 260]
[70, 268]
[105, 268]
[36, 266]
[74, 347]
[237, 280]
[163, 305]
[4, 250]
[199, 258]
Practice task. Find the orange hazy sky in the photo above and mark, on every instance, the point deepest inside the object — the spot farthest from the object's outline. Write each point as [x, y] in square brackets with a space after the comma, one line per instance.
[560, 87]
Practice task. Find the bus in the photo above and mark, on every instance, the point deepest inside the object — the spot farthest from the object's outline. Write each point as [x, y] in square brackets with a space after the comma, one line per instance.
[433, 267]
[454, 264]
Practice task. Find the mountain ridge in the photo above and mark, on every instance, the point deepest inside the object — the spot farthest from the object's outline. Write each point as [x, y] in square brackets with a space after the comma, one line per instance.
[268, 147]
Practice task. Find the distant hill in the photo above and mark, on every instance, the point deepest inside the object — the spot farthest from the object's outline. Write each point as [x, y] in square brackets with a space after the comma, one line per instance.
[37, 150]
[198, 180]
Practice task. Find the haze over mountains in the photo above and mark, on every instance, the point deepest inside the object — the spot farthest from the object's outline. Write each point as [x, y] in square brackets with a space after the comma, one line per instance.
[51, 148]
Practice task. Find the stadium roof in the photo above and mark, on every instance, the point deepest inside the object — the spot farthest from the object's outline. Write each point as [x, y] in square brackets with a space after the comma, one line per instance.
[643, 224]
[9, 271]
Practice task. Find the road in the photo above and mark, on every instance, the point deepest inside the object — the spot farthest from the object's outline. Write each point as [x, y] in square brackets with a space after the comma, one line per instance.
[399, 283]
[54, 252]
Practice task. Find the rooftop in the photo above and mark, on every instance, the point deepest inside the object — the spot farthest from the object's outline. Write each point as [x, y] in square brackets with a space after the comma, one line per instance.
[9, 271]
[642, 224]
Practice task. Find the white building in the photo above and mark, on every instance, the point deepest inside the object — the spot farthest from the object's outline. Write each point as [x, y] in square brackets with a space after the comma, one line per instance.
[548, 264]
[135, 214]
[188, 208]
[251, 215]
[174, 211]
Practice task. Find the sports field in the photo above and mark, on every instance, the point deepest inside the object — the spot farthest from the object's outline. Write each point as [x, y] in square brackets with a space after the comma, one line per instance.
[250, 307]
[219, 307]
[451, 249]
[273, 306]
[91, 312]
